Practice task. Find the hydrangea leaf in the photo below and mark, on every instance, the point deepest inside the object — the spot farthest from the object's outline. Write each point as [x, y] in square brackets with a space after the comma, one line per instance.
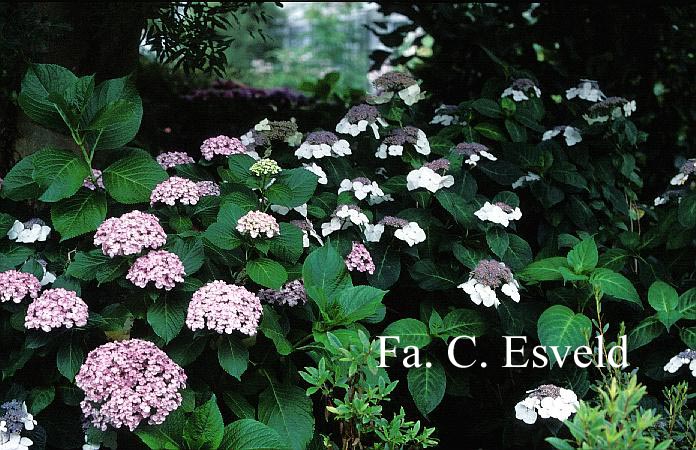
[687, 304]
[498, 241]
[287, 246]
[79, 214]
[233, 356]
[324, 273]
[165, 436]
[544, 269]
[662, 296]
[287, 410]
[562, 327]
[205, 429]
[239, 405]
[248, 434]
[584, 256]
[463, 322]
[19, 182]
[267, 272]
[69, 358]
[40, 81]
[59, 172]
[688, 336]
[411, 332]
[292, 188]
[518, 253]
[271, 328]
[427, 385]
[355, 303]
[387, 260]
[166, 316]
[131, 179]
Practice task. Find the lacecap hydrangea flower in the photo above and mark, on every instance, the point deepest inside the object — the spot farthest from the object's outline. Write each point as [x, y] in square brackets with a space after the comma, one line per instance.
[47, 277]
[399, 83]
[267, 131]
[319, 144]
[15, 286]
[129, 234]
[208, 188]
[688, 356]
[56, 308]
[358, 118]
[291, 294]
[258, 223]
[547, 401]
[265, 167]
[307, 230]
[359, 259]
[409, 232]
[363, 188]
[586, 90]
[224, 308]
[611, 107]
[89, 183]
[498, 212]
[221, 145]
[474, 151]
[29, 232]
[128, 382]
[13, 421]
[393, 144]
[686, 169]
[668, 195]
[487, 276]
[572, 135]
[173, 190]
[318, 171]
[529, 178]
[344, 217]
[446, 115]
[428, 178]
[284, 210]
[161, 267]
[521, 89]
[169, 160]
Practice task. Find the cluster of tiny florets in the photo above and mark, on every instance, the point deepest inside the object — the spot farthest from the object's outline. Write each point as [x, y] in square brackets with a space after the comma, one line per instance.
[56, 308]
[169, 160]
[392, 221]
[360, 259]
[688, 167]
[264, 167]
[221, 145]
[470, 148]
[362, 112]
[438, 164]
[257, 223]
[175, 189]
[128, 382]
[608, 104]
[224, 308]
[492, 273]
[96, 176]
[15, 286]
[401, 136]
[291, 294]
[393, 81]
[159, 266]
[281, 130]
[523, 84]
[130, 234]
[321, 137]
[208, 188]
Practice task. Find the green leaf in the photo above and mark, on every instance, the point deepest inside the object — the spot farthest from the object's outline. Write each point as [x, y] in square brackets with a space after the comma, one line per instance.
[410, 331]
[687, 304]
[662, 296]
[287, 410]
[458, 207]
[288, 244]
[427, 385]
[132, 179]
[19, 182]
[517, 132]
[584, 256]
[324, 273]
[205, 429]
[387, 260]
[544, 269]
[165, 436]
[431, 277]
[40, 81]
[292, 188]
[14, 255]
[560, 326]
[184, 350]
[462, 322]
[687, 211]
[79, 214]
[270, 327]
[487, 107]
[166, 316]
[239, 405]
[59, 172]
[615, 285]
[69, 358]
[233, 356]
[190, 252]
[498, 241]
[267, 273]
[688, 336]
[40, 398]
[223, 235]
[468, 257]
[95, 265]
[491, 131]
[518, 253]
[356, 303]
[644, 333]
[248, 434]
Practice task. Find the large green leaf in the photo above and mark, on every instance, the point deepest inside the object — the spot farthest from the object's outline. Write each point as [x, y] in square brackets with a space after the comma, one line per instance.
[387, 260]
[288, 244]
[687, 211]
[562, 327]
[547, 269]
[584, 256]
[615, 285]
[267, 273]
[233, 356]
[287, 410]
[324, 273]
[19, 182]
[498, 241]
[644, 333]
[40, 81]
[662, 296]
[461, 209]
[427, 385]
[165, 436]
[166, 316]
[59, 172]
[356, 303]
[79, 214]
[518, 253]
[69, 358]
[687, 304]
[205, 429]
[132, 179]
[688, 336]
[95, 265]
[432, 277]
[190, 252]
[271, 328]
[410, 331]
[292, 188]
[248, 434]
[462, 322]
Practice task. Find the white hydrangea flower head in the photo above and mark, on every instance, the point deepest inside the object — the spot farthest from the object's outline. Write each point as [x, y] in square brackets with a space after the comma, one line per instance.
[447, 115]
[572, 135]
[473, 152]
[319, 144]
[399, 83]
[521, 89]
[318, 171]
[611, 107]
[358, 118]
[411, 234]
[529, 178]
[688, 356]
[688, 168]
[587, 90]
[393, 144]
[487, 276]
[547, 401]
[29, 232]
[362, 188]
[499, 212]
[344, 217]
[428, 178]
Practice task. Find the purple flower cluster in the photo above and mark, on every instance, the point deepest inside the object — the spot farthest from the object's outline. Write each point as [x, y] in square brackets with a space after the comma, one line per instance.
[56, 308]
[438, 164]
[127, 382]
[130, 234]
[175, 189]
[401, 136]
[208, 188]
[16, 286]
[292, 294]
[321, 137]
[392, 221]
[362, 112]
[257, 223]
[393, 81]
[96, 175]
[360, 259]
[224, 308]
[221, 145]
[159, 266]
[470, 148]
[169, 160]
[491, 273]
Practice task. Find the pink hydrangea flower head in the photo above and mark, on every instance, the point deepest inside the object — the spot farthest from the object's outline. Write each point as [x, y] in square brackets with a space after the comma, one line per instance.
[257, 223]
[130, 234]
[360, 259]
[175, 189]
[56, 308]
[97, 175]
[161, 267]
[128, 382]
[169, 160]
[208, 188]
[292, 294]
[15, 286]
[221, 145]
[224, 308]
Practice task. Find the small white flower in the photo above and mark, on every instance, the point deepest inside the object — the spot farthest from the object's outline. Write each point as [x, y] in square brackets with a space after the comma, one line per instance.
[499, 213]
[16, 442]
[586, 90]
[29, 233]
[547, 401]
[343, 218]
[525, 410]
[412, 234]
[309, 151]
[678, 180]
[427, 178]
[264, 125]
[373, 233]
[688, 356]
[572, 135]
[629, 108]
[530, 177]
[318, 171]
[284, 210]
[661, 200]
[520, 88]
[411, 94]
[392, 150]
